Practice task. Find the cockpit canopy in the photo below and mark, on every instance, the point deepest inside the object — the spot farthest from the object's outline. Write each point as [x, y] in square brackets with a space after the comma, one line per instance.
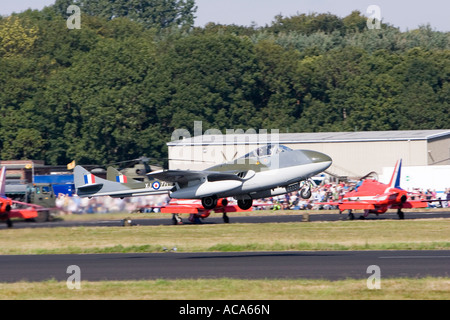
[267, 150]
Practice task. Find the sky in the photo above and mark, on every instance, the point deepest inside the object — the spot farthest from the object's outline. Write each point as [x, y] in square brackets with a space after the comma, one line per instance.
[406, 14]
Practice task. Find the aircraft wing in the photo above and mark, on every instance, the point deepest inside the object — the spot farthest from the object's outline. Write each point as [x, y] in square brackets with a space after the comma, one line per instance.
[412, 204]
[184, 176]
[359, 205]
[370, 205]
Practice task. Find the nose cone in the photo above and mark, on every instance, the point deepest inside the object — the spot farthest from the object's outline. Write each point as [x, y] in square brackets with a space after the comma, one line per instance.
[317, 157]
[323, 160]
[299, 157]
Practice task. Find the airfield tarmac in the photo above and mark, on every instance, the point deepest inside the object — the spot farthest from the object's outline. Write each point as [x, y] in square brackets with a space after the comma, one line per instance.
[330, 265]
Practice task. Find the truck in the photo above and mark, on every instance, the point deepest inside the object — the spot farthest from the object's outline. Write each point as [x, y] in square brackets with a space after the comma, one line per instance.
[38, 199]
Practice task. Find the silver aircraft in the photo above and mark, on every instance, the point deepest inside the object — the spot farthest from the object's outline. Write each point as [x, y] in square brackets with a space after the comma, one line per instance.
[265, 172]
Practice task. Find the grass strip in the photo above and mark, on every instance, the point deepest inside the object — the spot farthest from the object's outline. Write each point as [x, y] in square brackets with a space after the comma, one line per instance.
[430, 234]
[231, 289]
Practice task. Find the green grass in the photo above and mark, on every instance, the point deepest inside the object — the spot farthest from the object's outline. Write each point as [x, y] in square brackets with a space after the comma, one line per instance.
[230, 289]
[342, 235]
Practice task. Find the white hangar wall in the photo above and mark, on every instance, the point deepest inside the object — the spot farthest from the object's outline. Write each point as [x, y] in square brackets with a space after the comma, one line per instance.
[433, 178]
[356, 159]
[354, 154]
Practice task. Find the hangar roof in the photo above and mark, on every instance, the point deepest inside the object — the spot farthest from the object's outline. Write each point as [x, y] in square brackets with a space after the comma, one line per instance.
[316, 137]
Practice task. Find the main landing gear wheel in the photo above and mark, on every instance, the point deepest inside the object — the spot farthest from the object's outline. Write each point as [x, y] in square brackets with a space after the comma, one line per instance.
[176, 219]
[9, 223]
[209, 203]
[351, 216]
[195, 219]
[245, 204]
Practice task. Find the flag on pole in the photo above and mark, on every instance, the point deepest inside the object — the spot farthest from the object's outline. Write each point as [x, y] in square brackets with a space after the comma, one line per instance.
[71, 165]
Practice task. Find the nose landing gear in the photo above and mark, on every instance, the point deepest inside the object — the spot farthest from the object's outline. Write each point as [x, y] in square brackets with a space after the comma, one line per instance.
[305, 192]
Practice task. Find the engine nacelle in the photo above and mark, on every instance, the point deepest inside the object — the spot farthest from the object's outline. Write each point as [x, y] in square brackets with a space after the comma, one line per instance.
[206, 189]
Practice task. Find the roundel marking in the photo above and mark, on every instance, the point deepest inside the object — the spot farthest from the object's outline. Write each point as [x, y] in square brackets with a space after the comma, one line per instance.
[156, 185]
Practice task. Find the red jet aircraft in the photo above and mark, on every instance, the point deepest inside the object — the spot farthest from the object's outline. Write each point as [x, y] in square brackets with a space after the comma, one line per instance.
[376, 197]
[195, 209]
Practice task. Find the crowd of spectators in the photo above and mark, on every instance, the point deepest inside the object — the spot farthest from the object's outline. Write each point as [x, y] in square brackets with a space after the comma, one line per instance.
[106, 204]
[290, 201]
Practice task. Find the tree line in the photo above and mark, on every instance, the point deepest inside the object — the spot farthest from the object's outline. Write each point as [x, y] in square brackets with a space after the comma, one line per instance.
[135, 71]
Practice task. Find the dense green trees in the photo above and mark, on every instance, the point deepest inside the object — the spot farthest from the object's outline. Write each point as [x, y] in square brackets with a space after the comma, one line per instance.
[158, 14]
[118, 87]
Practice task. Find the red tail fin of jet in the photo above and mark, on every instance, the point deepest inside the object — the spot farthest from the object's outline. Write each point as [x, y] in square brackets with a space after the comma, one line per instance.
[395, 179]
[2, 182]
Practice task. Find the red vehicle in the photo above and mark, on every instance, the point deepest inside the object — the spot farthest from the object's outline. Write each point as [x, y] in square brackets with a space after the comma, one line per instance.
[373, 196]
[15, 209]
[195, 209]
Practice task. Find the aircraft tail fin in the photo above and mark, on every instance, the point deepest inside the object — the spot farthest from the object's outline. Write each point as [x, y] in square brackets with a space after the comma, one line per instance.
[112, 174]
[395, 179]
[2, 181]
[86, 182]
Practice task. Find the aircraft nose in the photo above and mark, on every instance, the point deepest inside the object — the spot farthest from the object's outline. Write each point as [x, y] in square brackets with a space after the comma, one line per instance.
[317, 157]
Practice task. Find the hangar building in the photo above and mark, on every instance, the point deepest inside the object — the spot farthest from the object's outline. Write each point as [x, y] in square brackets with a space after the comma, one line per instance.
[354, 154]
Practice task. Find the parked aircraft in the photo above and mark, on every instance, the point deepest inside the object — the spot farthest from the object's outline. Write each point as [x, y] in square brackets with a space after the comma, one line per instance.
[373, 196]
[265, 172]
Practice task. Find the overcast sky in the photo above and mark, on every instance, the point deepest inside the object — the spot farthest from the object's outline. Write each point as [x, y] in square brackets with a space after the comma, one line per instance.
[406, 14]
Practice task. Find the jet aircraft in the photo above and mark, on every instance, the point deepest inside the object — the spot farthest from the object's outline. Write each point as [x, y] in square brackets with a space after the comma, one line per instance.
[176, 207]
[268, 171]
[195, 209]
[375, 197]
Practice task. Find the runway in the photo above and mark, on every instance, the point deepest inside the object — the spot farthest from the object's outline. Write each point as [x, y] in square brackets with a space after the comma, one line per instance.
[331, 265]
